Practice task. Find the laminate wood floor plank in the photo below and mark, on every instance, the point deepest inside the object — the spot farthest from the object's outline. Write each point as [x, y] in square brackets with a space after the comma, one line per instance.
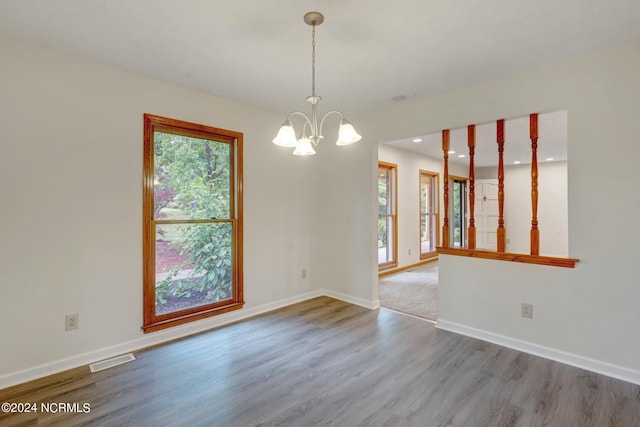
[324, 362]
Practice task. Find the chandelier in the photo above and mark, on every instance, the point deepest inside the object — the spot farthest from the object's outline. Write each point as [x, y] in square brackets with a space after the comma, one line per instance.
[311, 132]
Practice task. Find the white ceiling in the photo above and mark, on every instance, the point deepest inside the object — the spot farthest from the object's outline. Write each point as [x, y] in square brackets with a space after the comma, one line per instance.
[368, 51]
[552, 142]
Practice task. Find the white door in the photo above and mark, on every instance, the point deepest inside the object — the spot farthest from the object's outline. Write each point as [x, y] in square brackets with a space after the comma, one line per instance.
[486, 213]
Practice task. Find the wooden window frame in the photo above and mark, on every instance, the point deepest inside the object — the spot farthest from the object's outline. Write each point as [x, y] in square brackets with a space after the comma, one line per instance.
[436, 196]
[394, 215]
[151, 321]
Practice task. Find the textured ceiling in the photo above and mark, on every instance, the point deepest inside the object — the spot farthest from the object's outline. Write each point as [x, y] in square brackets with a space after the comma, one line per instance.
[368, 51]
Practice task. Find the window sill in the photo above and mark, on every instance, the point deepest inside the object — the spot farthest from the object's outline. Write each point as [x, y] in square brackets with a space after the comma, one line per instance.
[198, 314]
[506, 256]
[428, 255]
[387, 266]
[408, 267]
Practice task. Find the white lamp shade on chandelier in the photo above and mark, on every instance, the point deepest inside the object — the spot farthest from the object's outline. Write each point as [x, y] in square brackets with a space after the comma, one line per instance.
[304, 147]
[347, 134]
[286, 135]
[312, 132]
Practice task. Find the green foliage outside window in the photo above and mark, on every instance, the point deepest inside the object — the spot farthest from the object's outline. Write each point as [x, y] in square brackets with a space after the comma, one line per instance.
[383, 196]
[192, 180]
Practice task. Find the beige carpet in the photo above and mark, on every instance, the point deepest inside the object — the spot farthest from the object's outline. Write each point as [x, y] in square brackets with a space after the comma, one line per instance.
[412, 291]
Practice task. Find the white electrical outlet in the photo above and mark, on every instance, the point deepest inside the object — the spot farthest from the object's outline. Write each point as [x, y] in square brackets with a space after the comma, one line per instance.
[71, 322]
[526, 310]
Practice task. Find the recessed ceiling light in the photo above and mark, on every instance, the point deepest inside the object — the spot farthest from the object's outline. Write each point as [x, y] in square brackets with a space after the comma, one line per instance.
[452, 151]
[416, 140]
[549, 159]
[460, 156]
[517, 162]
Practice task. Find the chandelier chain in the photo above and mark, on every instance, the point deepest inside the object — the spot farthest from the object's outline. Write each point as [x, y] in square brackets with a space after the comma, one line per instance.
[313, 60]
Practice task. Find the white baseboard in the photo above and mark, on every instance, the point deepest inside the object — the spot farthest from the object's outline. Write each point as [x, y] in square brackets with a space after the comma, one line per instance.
[604, 368]
[165, 335]
[14, 378]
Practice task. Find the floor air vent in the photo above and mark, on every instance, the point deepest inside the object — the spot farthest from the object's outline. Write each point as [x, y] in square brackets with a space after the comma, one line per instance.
[109, 363]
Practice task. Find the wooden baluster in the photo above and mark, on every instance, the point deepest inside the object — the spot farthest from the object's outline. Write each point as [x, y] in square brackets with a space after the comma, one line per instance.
[471, 142]
[445, 226]
[502, 233]
[535, 232]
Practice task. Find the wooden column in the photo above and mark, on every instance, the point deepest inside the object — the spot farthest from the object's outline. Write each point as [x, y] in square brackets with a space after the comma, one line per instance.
[471, 142]
[502, 234]
[535, 232]
[445, 226]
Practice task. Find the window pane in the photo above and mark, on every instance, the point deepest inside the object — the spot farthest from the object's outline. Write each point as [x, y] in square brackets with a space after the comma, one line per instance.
[424, 234]
[425, 194]
[191, 177]
[385, 239]
[428, 233]
[383, 191]
[428, 213]
[193, 265]
[383, 244]
[458, 217]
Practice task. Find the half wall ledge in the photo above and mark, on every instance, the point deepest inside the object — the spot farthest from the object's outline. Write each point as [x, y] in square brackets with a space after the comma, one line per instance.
[506, 256]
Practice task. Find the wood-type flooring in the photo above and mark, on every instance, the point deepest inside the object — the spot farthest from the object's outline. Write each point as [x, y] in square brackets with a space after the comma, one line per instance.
[324, 362]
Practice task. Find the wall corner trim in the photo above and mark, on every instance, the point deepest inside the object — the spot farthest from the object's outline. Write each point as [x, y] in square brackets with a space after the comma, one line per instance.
[370, 304]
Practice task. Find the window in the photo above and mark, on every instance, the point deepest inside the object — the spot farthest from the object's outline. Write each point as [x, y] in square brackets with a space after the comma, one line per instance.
[458, 212]
[192, 217]
[428, 214]
[387, 216]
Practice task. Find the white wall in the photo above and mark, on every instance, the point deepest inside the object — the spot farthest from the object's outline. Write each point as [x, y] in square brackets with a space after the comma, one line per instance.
[590, 311]
[71, 206]
[409, 166]
[552, 206]
[344, 220]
